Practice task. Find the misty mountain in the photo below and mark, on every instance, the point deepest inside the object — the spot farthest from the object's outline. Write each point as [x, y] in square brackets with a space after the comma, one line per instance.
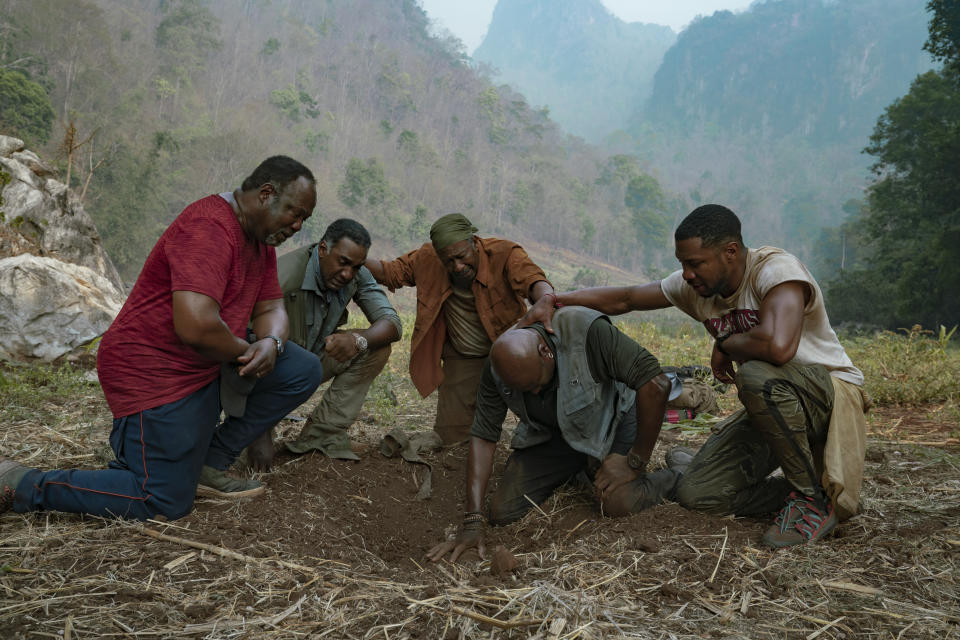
[822, 70]
[589, 67]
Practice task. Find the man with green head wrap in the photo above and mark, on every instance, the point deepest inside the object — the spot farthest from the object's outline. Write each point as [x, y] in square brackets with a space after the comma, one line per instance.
[469, 291]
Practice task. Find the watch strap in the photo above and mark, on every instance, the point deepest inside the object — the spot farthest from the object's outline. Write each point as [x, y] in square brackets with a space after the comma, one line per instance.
[636, 462]
[361, 342]
[278, 341]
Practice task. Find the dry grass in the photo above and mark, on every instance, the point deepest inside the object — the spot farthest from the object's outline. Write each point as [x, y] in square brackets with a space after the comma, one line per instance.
[890, 574]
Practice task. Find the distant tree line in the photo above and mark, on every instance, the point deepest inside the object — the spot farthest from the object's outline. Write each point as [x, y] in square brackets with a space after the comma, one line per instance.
[896, 262]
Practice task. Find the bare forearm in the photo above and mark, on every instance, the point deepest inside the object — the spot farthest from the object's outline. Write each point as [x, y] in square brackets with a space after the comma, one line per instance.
[376, 269]
[760, 344]
[539, 289]
[609, 300]
[479, 468]
[776, 338]
[215, 341]
[651, 404]
[616, 300]
[273, 322]
[380, 333]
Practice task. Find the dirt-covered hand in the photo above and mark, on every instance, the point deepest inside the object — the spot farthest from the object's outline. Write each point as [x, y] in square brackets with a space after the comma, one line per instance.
[613, 473]
[259, 359]
[469, 537]
[541, 311]
[722, 366]
[341, 346]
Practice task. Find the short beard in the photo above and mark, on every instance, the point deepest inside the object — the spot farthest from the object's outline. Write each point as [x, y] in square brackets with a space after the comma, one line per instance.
[275, 239]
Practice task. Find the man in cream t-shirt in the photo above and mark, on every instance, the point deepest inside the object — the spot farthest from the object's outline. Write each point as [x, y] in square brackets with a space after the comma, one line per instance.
[802, 400]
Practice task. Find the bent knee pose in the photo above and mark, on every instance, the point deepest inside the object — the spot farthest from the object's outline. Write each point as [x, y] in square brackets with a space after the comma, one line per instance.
[584, 394]
[469, 291]
[803, 403]
[181, 347]
[318, 283]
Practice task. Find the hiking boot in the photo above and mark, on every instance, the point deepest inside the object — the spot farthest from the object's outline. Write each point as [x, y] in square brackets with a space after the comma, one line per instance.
[217, 484]
[11, 473]
[679, 458]
[800, 521]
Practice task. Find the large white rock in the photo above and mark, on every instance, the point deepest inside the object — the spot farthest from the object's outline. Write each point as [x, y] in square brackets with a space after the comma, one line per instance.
[49, 308]
[9, 145]
[44, 214]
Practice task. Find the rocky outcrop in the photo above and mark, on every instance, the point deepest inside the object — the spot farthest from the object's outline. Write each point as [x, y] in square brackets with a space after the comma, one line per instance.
[41, 217]
[58, 288]
[50, 308]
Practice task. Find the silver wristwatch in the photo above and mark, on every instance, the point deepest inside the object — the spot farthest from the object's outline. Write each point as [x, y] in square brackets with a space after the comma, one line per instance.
[361, 342]
[278, 341]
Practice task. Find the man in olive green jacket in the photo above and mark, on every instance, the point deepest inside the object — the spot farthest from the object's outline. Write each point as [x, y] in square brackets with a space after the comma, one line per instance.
[318, 282]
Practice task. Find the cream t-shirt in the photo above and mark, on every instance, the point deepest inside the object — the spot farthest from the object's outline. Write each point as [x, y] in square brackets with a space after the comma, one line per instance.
[766, 268]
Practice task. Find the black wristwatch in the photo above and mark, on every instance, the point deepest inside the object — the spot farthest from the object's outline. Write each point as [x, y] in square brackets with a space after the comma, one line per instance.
[719, 342]
[636, 462]
[278, 341]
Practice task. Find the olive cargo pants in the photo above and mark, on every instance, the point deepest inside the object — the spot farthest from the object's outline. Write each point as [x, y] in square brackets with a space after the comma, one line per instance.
[457, 395]
[785, 410]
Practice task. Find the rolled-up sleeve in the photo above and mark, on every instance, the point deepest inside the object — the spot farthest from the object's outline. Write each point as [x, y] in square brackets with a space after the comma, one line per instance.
[522, 273]
[400, 272]
[491, 408]
[373, 301]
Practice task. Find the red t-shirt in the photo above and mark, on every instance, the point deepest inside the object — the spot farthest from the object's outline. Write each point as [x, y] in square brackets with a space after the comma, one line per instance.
[141, 362]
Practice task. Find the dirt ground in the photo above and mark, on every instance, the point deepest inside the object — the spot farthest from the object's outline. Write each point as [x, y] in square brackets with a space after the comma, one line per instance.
[335, 549]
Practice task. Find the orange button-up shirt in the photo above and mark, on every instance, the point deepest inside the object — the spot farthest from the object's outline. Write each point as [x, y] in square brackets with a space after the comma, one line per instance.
[505, 275]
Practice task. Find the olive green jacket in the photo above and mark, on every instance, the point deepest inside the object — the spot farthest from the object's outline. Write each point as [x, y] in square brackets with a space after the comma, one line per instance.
[315, 311]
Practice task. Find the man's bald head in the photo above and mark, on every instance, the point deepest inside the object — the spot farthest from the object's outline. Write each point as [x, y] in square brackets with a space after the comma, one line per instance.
[522, 360]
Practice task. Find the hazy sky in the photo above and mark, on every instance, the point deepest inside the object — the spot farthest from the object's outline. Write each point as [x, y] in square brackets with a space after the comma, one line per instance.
[469, 19]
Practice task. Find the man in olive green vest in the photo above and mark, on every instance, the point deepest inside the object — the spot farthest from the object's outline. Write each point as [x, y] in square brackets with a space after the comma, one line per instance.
[318, 282]
[588, 398]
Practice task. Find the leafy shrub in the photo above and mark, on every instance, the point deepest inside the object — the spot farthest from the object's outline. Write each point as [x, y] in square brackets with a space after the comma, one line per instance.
[909, 366]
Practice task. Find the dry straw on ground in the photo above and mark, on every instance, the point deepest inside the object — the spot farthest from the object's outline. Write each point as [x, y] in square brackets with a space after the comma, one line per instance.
[335, 552]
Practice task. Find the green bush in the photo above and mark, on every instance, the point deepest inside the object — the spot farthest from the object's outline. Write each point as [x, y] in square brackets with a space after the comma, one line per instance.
[25, 108]
[910, 366]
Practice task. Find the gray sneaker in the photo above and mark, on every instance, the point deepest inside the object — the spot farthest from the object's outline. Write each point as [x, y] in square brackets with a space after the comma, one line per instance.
[679, 458]
[11, 473]
[217, 484]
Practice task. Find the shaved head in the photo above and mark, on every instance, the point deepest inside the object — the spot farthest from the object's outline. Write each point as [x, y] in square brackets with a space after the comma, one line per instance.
[522, 360]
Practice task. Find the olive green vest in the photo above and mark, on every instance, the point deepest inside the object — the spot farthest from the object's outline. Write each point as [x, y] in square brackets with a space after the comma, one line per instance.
[588, 412]
[300, 303]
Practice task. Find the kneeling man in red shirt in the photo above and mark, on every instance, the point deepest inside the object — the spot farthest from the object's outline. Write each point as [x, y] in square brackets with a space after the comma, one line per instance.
[204, 328]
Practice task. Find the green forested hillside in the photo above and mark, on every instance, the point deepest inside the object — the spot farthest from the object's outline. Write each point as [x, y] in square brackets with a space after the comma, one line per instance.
[170, 100]
[896, 263]
[768, 111]
[820, 70]
[590, 67]
[765, 110]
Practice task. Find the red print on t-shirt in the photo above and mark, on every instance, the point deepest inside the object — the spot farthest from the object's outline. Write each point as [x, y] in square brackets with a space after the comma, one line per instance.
[737, 321]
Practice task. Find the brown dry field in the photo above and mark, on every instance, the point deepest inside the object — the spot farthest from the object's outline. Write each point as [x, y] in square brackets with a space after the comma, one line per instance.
[335, 549]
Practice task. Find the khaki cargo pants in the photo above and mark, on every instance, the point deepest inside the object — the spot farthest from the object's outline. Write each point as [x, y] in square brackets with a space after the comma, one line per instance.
[457, 395]
[326, 428]
[786, 410]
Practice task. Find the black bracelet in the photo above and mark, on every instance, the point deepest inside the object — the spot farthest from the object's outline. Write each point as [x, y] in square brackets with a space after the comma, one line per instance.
[719, 343]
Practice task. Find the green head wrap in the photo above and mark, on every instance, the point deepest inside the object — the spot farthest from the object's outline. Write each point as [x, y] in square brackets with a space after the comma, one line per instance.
[451, 229]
